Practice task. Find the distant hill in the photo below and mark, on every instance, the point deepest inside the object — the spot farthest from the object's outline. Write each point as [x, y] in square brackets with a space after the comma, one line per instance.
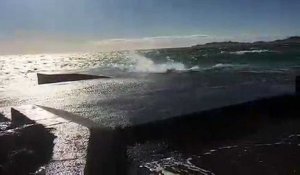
[290, 42]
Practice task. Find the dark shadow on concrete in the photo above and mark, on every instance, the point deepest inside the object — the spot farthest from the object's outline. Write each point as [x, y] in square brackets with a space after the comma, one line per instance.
[24, 149]
[71, 117]
[19, 119]
[225, 123]
[3, 118]
[107, 151]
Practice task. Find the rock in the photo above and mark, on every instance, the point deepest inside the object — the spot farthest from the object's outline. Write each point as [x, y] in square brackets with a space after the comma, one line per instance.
[24, 149]
[5, 126]
[8, 140]
[21, 161]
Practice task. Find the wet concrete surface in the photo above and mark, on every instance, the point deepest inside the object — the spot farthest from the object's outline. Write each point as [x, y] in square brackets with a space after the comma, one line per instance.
[163, 124]
[130, 101]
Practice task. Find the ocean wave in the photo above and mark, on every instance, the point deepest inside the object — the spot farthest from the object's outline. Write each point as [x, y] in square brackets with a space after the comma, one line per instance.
[242, 52]
[226, 66]
[141, 63]
[264, 71]
[222, 65]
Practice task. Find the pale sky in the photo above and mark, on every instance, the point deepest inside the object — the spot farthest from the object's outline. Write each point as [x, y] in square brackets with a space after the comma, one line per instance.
[91, 25]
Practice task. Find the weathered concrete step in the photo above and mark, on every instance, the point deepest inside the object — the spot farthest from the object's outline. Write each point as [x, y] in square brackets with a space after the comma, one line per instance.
[70, 144]
[55, 78]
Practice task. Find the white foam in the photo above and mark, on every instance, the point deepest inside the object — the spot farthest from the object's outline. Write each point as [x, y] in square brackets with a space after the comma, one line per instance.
[162, 165]
[222, 65]
[248, 51]
[144, 64]
[226, 65]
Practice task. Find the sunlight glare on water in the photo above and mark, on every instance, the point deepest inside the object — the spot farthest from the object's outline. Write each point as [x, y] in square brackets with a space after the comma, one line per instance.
[16, 69]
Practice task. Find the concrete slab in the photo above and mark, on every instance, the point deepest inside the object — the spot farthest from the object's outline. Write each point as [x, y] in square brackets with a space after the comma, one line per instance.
[132, 101]
[55, 78]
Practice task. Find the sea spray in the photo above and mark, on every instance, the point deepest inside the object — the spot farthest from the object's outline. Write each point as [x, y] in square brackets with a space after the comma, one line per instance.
[143, 64]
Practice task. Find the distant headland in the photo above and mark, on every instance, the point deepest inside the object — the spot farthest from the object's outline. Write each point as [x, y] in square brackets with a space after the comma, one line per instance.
[231, 45]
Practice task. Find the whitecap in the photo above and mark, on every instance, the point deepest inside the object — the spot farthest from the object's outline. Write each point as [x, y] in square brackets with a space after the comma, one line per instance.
[143, 64]
[242, 52]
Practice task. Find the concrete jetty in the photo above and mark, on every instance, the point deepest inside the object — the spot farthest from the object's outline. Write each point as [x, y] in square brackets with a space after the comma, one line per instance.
[83, 147]
[56, 78]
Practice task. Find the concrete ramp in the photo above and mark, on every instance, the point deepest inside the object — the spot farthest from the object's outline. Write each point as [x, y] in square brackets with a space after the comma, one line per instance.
[70, 144]
[56, 78]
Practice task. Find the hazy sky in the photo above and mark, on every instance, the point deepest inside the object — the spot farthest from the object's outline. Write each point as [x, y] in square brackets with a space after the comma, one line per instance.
[68, 25]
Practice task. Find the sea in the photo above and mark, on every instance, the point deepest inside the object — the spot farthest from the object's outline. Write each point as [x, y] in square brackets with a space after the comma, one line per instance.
[16, 69]
[149, 85]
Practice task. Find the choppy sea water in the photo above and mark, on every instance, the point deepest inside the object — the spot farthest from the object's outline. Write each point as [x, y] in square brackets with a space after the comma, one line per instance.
[147, 85]
[22, 68]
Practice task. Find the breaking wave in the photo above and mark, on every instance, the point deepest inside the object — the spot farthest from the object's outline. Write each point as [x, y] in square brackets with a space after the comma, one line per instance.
[226, 66]
[242, 52]
[141, 63]
[222, 65]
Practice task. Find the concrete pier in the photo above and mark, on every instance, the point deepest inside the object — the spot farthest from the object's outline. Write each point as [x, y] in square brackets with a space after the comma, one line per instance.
[56, 78]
